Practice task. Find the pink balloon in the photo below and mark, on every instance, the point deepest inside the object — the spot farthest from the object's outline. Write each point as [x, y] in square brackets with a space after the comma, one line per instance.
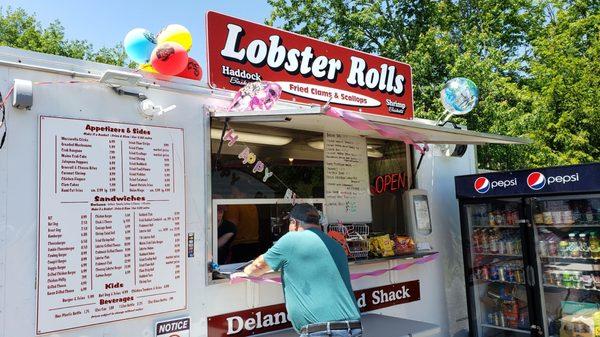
[169, 58]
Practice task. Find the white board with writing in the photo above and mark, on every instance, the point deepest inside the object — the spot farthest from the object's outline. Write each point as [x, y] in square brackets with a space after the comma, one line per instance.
[111, 222]
[346, 179]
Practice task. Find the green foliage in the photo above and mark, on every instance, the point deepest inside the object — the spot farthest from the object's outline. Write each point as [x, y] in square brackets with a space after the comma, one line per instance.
[535, 62]
[19, 29]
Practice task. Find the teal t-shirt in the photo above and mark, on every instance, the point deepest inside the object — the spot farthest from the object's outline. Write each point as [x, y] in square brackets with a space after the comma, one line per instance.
[315, 277]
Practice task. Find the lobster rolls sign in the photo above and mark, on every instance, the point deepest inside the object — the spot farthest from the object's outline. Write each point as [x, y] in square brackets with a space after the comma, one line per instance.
[308, 70]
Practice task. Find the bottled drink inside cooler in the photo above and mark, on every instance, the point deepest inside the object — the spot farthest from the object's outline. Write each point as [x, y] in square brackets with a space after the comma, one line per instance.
[497, 271]
[568, 248]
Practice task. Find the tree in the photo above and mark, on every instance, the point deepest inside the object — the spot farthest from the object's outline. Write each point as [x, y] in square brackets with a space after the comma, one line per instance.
[497, 44]
[19, 29]
[564, 72]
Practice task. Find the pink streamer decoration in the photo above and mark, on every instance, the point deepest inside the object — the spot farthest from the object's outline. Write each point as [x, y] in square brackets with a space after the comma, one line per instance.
[358, 122]
[354, 276]
[256, 95]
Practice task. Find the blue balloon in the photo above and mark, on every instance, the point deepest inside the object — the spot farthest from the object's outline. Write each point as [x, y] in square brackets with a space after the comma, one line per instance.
[139, 44]
[459, 96]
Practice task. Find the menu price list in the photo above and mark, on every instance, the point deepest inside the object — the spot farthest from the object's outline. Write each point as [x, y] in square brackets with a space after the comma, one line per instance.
[346, 178]
[112, 222]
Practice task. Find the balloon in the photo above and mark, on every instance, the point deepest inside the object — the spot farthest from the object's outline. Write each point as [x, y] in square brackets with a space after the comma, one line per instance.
[139, 44]
[169, 58]
[148, 68]
[459, 96]
[192, 70]
[175, 33]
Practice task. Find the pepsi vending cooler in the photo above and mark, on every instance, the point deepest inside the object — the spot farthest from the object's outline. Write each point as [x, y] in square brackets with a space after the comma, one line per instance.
[531, 245]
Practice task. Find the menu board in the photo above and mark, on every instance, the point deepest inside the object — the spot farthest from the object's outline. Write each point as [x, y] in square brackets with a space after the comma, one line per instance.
[111, 222]
[347, 194]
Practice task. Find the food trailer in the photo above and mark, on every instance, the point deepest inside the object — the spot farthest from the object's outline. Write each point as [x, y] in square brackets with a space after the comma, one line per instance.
[111, 181]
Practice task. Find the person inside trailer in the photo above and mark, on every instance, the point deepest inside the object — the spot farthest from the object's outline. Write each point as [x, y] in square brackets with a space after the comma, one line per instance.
[226, 233]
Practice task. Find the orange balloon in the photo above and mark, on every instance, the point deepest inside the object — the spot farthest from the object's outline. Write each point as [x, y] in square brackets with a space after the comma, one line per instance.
[169, 58]
[192, 70]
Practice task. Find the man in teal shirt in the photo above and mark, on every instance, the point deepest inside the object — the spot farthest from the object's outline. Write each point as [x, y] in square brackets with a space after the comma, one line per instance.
[315, 278]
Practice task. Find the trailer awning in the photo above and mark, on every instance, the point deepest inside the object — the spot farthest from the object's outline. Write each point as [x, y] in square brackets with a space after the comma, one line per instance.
[379, 127]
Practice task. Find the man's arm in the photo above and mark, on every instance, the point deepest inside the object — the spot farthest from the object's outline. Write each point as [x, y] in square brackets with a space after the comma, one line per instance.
[258, 267]
[224, 238]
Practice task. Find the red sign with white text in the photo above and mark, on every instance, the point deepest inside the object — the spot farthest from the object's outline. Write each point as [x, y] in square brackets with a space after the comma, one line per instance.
[308, 70]
[274, 317]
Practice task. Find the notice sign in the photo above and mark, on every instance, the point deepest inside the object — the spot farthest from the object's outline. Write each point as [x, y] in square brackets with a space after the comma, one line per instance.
[111, 231]
[173, 328]
[308, 70]
[347, 190]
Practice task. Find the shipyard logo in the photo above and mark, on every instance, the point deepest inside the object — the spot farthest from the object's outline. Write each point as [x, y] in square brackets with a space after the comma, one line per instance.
[536, 181]
[482, 185]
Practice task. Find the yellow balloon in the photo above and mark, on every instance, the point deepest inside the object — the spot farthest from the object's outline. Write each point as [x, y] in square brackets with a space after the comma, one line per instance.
[148, 68]
[175, 33]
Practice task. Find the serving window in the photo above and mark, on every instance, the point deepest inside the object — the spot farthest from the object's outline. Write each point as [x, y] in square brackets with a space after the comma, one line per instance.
[249, 209]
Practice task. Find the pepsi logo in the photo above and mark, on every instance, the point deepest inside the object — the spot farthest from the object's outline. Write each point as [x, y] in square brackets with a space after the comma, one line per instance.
[536, 181]
[482, 185]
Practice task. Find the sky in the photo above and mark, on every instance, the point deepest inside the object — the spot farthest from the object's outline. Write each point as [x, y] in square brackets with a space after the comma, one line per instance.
[105, 23]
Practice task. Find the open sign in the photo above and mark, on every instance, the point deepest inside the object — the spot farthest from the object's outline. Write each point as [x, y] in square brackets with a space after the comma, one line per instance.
[390, 182]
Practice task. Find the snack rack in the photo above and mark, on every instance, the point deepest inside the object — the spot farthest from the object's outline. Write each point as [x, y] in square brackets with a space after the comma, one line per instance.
[356, 238]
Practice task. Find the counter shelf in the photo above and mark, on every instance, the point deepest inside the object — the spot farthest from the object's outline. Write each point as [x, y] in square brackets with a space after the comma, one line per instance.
[219, 277]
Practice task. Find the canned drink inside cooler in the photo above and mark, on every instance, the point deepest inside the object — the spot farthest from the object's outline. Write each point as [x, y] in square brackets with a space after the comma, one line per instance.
[538, 218]
[576, 279]
[567, 217]
[557, 277]
[501, 273]
[518, 250]
[519, 276]
[491, 219]
[508, 218]
[556, 217]
[567, 279]
[502, 321]
[548, 218]
[485, 272]
[552, 248]
[510, 248]
[494, 273]
[510, 273]
[543, 248]
[500, 221]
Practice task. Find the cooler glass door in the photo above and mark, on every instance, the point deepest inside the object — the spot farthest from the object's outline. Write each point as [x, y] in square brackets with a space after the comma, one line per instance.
[567, 236]
[494, 266]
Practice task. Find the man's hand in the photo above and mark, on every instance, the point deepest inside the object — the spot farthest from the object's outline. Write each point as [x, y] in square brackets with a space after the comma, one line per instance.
[239, 274]
[258, 267]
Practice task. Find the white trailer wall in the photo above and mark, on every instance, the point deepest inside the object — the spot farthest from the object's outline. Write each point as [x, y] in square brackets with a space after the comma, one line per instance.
[19, 195]
[436, 175]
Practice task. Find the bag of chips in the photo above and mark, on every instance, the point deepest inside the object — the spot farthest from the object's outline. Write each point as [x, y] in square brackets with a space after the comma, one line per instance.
[404, 245]
[381, 246]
